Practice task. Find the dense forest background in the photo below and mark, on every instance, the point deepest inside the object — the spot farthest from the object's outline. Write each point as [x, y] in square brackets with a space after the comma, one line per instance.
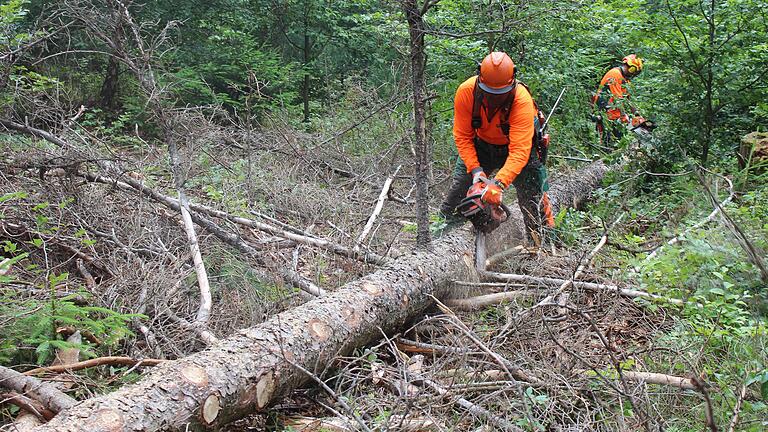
[292, 114]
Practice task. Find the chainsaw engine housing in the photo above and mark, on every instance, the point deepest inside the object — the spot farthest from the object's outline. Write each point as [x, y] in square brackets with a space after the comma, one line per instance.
[484, 217]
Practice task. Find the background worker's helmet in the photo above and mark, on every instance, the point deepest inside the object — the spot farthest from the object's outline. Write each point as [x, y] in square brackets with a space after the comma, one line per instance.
[634, 64]
[497, 73]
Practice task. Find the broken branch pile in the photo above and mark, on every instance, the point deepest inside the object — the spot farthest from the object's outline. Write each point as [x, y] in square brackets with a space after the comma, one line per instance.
[253, 368]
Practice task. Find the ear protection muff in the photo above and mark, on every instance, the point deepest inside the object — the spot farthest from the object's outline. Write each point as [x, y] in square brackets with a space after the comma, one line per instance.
[632, 69]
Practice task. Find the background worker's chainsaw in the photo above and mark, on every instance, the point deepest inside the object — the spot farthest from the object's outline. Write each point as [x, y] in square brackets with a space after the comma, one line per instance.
[485, 217]
[644, 124]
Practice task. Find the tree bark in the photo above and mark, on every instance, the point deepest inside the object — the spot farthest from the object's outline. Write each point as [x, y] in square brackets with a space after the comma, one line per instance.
[108, 94]
[47, 394]
[255, 367]
[421, 146]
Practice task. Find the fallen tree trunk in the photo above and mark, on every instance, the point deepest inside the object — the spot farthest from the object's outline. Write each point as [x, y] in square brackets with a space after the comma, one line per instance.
[255, 367]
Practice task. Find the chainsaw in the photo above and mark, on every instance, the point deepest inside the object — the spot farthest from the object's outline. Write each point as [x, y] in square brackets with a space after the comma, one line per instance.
[484, 217]
[648, 125]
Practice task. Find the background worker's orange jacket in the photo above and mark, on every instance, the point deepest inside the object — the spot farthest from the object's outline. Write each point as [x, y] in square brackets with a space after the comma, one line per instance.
[520, 136]
[614, 80]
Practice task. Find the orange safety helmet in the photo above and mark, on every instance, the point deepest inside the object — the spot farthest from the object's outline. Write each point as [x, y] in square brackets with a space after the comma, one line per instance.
[634, 64]
[497, 73]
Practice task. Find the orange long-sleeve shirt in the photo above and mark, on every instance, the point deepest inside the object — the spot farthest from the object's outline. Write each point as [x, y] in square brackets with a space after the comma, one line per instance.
[520, 136]
[615, 81]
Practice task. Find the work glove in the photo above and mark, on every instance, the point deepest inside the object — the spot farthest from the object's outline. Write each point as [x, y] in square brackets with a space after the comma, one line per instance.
[493, 194]
[637, 121]
[478, 175]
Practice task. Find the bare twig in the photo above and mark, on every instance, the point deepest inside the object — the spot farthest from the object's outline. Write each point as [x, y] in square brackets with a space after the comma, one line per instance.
[626, 292]
[376, 209]
[568, 283]
[655, 378]
[737, 408]
[27, 404]
[99, 361]
[709, 218]
[506, 253]
[333, 394]
[710, 416]
[467, 405]
[482, 301]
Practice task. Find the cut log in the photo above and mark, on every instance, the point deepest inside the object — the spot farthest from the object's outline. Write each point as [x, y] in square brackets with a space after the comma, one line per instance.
[255, 367]
[45, 393]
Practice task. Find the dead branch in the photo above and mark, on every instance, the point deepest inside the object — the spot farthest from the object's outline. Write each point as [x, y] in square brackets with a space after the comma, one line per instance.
[310, 424]
[467, 405]
[678, 238]
[483, 301]
[321, 243]
[99, 361]
[737, 408]
[228, 238]
[206, 301]
[661, 379]
[538, 280]
[653, 378]
[129, 183]
[29, 405]
[49, 396]
[376, 209]
[579, 270]
[407, 345]
[488, 284]
[710, 416]
[254, 360]
[501, 256]
[90, 282]
[303, 283]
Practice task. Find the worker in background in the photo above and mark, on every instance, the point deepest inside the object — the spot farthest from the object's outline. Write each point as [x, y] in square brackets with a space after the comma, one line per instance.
[494, 129]
[613, 111]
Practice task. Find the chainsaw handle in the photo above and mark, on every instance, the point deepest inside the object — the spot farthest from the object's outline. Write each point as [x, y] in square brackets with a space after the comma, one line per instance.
[490, 181]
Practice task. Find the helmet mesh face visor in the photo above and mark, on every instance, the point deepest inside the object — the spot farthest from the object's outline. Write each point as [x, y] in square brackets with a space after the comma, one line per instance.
[496, 91]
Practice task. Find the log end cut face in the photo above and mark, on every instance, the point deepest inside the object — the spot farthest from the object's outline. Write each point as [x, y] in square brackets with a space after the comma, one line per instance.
[194, 374]
[108, 420]
[211, 409]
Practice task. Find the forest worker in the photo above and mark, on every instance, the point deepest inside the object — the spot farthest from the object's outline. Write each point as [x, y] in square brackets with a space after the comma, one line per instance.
[613, 107]
[494, 128]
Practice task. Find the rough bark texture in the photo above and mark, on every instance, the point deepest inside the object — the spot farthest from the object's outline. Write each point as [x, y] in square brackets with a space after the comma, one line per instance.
[49, 396]
[253, 368]
[415, 18]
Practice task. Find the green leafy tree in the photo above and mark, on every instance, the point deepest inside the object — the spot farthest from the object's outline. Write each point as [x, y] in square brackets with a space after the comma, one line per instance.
[713, 55]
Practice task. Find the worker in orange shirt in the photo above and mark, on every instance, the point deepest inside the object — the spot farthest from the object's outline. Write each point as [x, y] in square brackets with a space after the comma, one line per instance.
[494, 127]
[614, 112]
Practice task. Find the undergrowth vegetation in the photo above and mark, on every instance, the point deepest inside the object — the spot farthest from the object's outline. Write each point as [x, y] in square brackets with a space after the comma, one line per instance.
[294, 113]
[721, 333]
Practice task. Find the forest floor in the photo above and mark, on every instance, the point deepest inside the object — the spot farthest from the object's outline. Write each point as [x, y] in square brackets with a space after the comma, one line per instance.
[564, 350]
[108, 262]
